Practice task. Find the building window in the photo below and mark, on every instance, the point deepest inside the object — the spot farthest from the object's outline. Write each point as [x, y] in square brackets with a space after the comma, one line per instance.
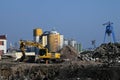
[1, 42]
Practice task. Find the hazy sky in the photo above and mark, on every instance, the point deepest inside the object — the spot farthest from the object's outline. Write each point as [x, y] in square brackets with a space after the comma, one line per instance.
[78, 19]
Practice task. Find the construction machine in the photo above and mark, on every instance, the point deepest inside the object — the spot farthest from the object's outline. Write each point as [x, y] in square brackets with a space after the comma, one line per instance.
[43, 54]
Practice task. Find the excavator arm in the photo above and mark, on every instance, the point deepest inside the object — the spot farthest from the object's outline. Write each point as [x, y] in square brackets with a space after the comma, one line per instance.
[24, 43]
[22, 48]
[43, 52]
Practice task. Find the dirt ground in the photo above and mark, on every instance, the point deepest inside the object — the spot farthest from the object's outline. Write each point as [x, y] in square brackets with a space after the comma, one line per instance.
[107, 67]
[75, 70]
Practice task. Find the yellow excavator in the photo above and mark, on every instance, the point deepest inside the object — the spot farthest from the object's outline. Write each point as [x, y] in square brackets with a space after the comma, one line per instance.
[43, 53]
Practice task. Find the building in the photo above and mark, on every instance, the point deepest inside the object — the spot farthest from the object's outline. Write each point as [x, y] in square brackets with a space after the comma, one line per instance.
[72, 42]
[49, 39]
[65, 42]
[78, 47]
[36, 34]
[44, 40]
[61, 41]
[3, 44]
[53, 41]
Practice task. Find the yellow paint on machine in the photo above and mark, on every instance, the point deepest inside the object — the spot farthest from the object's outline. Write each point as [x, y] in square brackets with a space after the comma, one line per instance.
[50, 56]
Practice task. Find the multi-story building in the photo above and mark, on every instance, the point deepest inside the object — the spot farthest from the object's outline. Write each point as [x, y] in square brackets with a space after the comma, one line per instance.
[61, 41]
[65, 42]
[3, 44]
[73, 43]
[78, 47]
[44, 40]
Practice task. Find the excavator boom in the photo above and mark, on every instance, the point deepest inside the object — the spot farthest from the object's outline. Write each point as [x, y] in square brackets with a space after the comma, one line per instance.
[43, 52]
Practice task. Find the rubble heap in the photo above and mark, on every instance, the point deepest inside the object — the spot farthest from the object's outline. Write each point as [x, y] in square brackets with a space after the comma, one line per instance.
[108, 51]
[68, 52]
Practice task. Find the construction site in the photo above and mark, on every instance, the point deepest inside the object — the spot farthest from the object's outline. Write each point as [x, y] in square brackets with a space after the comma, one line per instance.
[50, 57]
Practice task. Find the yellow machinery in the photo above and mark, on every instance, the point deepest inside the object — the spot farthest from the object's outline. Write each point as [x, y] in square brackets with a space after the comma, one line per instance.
[43, 52]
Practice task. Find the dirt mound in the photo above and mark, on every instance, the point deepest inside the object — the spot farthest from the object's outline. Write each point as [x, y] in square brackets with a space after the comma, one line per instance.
[68, 52]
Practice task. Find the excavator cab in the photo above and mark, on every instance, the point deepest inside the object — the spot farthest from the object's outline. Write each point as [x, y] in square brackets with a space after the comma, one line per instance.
[42, 52]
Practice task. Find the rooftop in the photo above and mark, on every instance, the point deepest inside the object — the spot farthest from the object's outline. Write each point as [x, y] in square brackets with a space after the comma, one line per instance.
[2, 36]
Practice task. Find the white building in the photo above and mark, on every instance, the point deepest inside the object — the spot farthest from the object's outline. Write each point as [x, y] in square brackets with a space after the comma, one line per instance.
[65, 42]
[44, 40]
[3, 44]
[61, 41]
[72, 42]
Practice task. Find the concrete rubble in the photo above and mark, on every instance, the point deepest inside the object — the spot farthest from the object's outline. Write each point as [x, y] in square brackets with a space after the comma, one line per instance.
[104, 53]
[108, 52]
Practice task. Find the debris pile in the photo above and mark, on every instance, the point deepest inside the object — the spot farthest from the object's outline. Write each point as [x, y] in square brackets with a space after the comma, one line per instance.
[108, 52]
[86, 56]
[69, 53]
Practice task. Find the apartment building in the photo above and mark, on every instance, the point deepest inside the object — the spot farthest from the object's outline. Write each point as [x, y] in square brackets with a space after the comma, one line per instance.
[3, 44]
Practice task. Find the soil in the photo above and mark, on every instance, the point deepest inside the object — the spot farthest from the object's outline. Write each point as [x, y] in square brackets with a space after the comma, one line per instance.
[73, 69]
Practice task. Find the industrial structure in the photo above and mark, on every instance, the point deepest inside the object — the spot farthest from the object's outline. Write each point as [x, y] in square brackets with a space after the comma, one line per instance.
[109, 31]
[36, 34]
[45, 44]
[54, 41]
[49, 39]
[3, 44]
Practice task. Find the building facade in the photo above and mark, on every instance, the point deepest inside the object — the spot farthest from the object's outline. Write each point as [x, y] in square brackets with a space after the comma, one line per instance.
[3, 44]
[53, 41]
[61, 41]
[45, 40]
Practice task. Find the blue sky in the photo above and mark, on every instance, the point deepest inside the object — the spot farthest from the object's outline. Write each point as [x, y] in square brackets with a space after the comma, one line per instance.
[78, 19]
